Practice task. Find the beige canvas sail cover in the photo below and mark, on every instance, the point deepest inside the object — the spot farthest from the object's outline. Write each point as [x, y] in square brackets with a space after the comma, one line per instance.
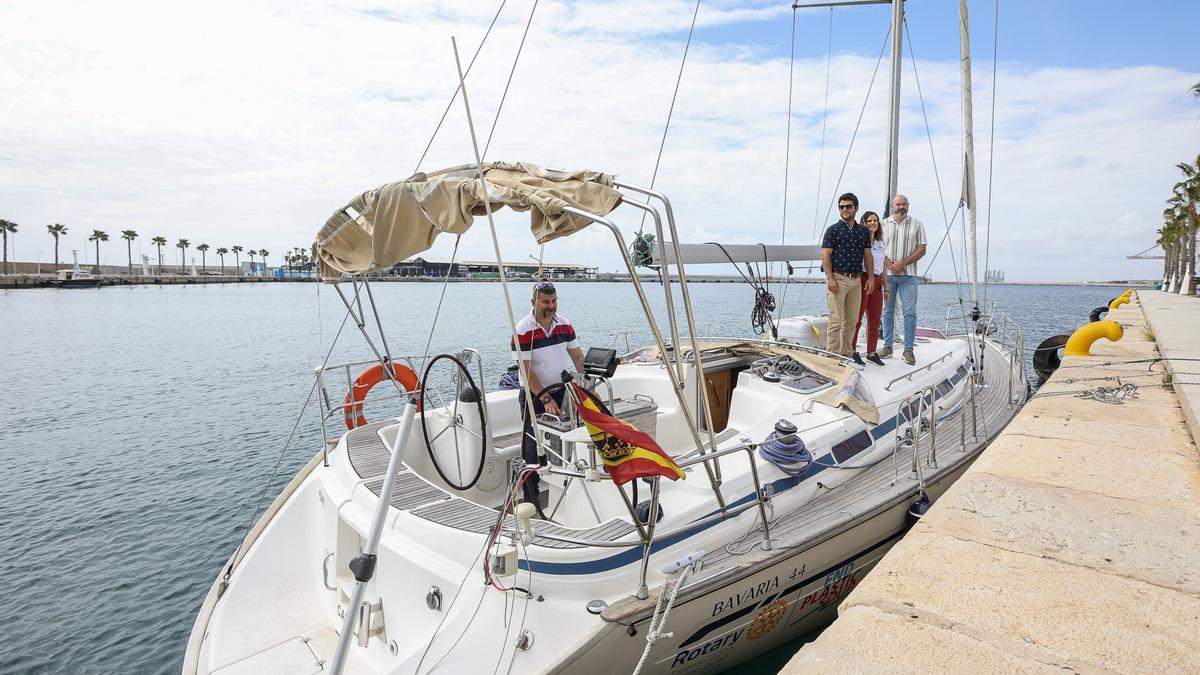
[392, 223]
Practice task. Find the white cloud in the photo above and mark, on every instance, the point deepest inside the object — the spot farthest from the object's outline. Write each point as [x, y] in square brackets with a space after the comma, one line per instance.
[251, 122]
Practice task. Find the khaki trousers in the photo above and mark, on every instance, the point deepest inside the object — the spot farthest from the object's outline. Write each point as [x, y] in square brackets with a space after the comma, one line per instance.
[843, 312]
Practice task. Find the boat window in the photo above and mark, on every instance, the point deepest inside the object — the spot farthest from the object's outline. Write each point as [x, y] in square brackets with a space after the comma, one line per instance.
[962, 371]
[944, 388]
[912, 410]
[851, 446]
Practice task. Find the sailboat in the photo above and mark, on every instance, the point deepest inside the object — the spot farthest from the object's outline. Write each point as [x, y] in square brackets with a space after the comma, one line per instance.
[402, 546]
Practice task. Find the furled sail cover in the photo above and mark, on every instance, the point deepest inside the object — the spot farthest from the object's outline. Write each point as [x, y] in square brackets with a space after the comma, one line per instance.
[389, 224]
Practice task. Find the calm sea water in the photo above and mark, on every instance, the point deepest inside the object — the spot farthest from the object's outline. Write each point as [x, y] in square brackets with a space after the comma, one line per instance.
[139, 425]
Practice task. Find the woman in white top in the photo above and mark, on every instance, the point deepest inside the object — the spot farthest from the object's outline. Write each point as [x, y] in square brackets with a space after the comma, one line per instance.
[872, 304]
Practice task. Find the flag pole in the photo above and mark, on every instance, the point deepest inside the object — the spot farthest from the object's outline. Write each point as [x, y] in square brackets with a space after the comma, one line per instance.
[643, 592]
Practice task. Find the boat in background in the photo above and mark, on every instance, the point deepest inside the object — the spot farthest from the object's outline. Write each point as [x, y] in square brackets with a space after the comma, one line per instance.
[76, 277]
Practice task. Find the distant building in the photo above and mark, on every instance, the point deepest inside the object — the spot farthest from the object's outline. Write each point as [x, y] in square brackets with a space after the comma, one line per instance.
[479, 269]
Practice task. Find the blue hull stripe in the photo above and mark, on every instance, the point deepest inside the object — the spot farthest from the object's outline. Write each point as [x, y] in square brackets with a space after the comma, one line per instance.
[634, 552]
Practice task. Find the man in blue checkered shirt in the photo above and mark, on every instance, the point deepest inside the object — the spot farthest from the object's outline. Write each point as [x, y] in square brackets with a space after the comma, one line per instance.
[845, 255]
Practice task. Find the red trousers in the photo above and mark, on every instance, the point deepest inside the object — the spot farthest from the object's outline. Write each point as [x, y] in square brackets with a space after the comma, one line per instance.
[872, 306]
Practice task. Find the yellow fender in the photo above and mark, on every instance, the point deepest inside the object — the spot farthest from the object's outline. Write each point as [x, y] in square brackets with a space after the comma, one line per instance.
[1081, 340]
[1123, 300]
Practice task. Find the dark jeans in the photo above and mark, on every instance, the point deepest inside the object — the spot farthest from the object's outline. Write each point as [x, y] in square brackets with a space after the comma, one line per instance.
[529, 449]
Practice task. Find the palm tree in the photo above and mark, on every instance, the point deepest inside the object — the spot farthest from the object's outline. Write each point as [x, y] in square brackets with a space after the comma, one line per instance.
[1175, 225]
[159, 242]
[203, 248]
[237, 259]
[1187, 192]
[7, 226]
[263, 253]
[299, 258]
[253, 268]
[98, 236]
[183, 247]
[221, 252]
[129, 236]
[56, 230]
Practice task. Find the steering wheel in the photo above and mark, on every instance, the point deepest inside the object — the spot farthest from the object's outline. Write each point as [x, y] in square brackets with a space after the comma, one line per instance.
[454, 425]
[562, 385]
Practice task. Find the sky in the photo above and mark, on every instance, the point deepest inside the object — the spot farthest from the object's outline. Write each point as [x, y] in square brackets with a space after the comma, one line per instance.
[248, 123]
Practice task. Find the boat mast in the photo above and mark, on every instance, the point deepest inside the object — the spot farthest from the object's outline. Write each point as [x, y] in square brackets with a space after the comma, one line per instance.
[968, 189]
[893, 154]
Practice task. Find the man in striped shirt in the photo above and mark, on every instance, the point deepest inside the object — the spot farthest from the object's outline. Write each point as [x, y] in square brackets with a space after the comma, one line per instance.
[905, 240]
[546, 346]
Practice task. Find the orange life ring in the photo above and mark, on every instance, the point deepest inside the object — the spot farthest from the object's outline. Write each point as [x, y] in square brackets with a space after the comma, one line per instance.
[370, 377]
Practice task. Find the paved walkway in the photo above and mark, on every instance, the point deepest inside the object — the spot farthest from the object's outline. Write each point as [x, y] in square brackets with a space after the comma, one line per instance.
[1175, 322]
[1073, 543]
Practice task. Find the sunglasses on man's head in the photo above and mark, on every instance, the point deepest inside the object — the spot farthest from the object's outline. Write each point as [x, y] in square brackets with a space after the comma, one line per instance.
[544, 285]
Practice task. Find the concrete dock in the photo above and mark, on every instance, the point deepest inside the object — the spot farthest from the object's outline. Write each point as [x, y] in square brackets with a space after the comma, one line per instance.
[1073, 543]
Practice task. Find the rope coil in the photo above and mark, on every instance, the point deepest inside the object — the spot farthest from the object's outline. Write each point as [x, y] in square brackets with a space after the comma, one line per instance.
[786, 450]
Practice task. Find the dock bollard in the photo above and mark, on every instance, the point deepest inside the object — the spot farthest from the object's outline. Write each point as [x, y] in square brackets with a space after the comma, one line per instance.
[1080, 342]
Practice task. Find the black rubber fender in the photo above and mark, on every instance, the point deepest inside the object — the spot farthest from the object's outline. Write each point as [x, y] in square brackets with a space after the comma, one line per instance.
[1097, 314]
[1046, 359]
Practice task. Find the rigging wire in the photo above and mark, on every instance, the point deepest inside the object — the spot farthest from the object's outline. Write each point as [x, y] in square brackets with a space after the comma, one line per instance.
[987, 245]
[787, 156]
[279, 460]
[458, 88]
[933, 157]
[858, 124]
[438, 312]
[514, 485]
[824, 122]
[671, 110]
[850, 148]
[495, 120]
[521, 47]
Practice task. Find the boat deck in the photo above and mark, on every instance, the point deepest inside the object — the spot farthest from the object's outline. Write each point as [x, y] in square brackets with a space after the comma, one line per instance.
[875, 489]
[824, 516]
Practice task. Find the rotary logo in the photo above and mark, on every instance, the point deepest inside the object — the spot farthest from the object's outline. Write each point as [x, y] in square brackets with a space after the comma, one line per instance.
[767, 619]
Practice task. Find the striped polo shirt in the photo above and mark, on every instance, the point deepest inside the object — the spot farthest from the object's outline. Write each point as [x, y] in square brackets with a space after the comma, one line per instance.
[902, 239]
[547, 349]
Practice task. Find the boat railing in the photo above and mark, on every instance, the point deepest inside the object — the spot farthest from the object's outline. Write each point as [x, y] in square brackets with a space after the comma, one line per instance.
[909, 375]
[646, 531]
[1003, 332]
[919, 411]
[329, 406]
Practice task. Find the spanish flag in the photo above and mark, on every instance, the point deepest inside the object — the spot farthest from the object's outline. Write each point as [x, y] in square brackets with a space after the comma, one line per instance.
[627, 452]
